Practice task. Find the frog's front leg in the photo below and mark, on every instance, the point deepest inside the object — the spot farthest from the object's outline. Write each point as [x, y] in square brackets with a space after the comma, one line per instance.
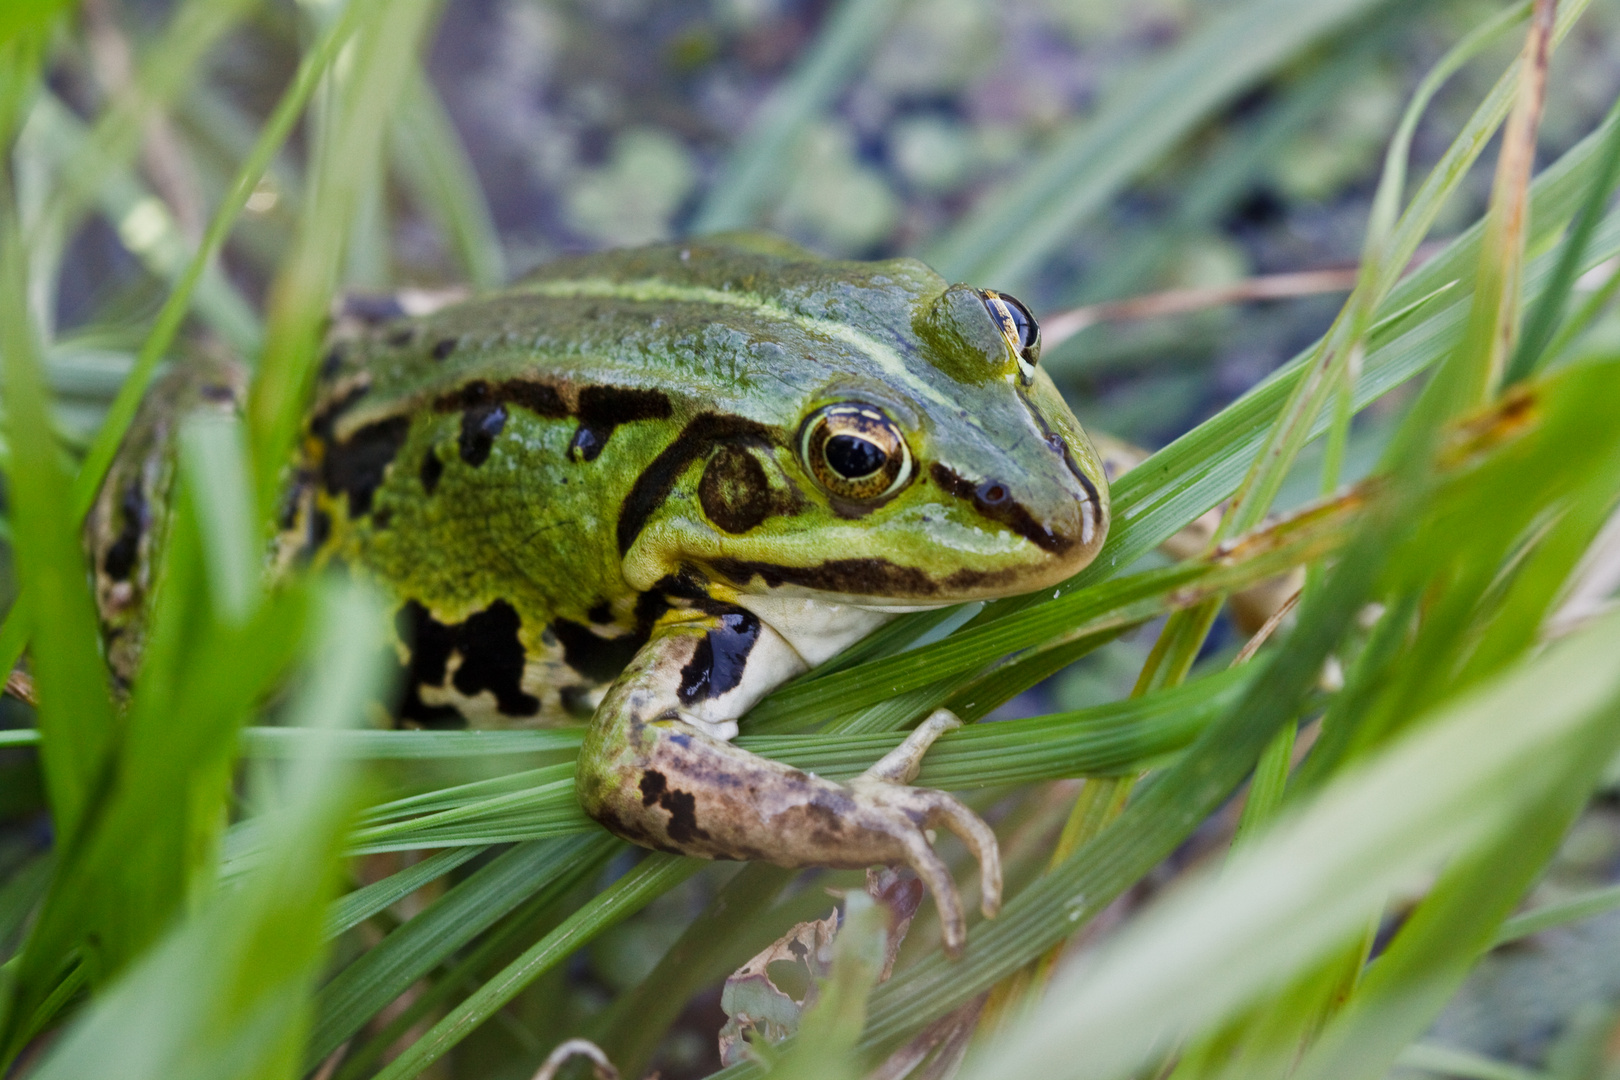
[656, 768]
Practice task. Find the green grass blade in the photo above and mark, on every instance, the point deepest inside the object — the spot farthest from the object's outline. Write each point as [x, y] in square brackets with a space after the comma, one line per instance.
[272, 742]
[652, 877]
[470, 968]
[1558, 913]
[427, 153]
[1309, 886]
[75, 714]
[347, 155]
[22, 890]
[213, 463]
[1448, 1061]
[227, 992]
[352, 909]
[1544, 317]
[26, 19]
[762, 158]
[386, 971]
[1013, 230]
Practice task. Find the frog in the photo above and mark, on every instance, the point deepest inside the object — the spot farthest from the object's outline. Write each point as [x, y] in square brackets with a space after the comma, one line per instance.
[639, 489]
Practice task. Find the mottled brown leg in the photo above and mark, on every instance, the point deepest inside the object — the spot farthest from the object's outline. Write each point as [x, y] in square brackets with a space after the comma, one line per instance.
[654, 779]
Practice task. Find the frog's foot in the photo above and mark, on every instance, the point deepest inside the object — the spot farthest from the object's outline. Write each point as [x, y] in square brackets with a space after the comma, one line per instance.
[905, 814]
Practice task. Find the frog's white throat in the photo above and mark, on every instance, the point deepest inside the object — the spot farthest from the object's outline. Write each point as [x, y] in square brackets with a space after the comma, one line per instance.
[818, 630]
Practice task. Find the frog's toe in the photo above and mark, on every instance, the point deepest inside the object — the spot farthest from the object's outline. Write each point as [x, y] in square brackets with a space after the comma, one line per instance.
[901, 765]
[907, 813]
[931, 868]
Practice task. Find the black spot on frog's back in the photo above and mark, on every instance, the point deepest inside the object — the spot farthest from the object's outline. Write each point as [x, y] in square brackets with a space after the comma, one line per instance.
[492, 659]
[432, 469]
[119, 561]
[356, 466]
[598, 658]
[603, 408]
[479, 427]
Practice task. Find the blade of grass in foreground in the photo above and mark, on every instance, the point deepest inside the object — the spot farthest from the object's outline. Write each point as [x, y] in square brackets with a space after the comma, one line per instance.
[347, 154]
[1302, 890]
[546, 868]
[226, 993]
[1544, 318]
[356, 907]
[15, 632]
[653, 876]
[1557, 913]
[75, 713]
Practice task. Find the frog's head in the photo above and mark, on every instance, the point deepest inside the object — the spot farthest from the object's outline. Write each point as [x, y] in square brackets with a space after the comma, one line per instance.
[907, 451]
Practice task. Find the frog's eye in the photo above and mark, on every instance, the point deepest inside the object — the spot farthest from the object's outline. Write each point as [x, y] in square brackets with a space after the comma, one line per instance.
[855, 452]
[1019, 327]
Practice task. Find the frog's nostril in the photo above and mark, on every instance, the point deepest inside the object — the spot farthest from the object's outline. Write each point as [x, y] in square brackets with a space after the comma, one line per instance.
[991, 493]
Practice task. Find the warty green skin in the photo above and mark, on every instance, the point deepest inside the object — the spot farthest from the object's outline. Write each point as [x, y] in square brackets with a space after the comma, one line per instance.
[588, 492]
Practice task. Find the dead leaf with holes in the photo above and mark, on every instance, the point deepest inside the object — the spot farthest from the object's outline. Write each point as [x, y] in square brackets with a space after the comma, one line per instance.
[767, 997]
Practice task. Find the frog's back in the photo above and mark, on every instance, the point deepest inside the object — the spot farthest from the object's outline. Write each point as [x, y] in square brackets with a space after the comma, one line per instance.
[541, 475]
[492, 462]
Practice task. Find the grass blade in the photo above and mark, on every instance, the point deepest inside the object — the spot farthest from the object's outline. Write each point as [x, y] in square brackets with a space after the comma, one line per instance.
[226, 994]
[1544, 317]
[1307, 887]
[75, 714]
[386, 971]
[427, 153]
[760, 161]
[1013, 230]
[653, 876]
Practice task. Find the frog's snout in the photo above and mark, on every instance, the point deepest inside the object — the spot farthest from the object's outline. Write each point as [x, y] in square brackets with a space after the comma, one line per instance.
[1058, 510]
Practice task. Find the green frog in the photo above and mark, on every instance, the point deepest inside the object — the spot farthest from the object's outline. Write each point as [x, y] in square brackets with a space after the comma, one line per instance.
[645, 487]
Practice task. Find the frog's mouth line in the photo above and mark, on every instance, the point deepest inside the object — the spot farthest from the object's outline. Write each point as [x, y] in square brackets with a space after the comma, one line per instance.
[878, 583]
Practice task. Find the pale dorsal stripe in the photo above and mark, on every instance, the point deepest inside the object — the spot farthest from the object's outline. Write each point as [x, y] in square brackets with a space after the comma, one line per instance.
[653, 289]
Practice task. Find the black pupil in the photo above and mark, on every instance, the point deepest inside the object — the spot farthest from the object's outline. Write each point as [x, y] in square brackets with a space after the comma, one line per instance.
[1023, 321]
[852, 457]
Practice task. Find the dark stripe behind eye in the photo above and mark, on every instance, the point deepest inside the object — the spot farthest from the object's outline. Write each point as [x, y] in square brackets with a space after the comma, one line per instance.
[657, 480]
